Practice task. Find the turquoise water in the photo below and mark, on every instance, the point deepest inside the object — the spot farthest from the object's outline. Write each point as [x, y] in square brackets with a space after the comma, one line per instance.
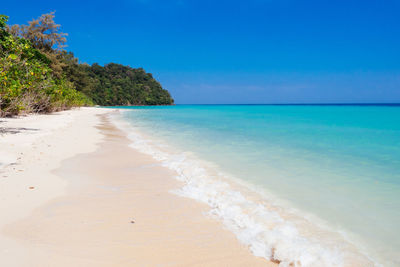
[332, 169]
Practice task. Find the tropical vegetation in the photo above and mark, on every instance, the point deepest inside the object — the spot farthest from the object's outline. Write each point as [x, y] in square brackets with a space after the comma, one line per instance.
[38, 75]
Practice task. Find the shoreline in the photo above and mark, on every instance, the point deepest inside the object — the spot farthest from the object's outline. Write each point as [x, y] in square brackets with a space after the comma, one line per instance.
[268, 225]
[124, 219]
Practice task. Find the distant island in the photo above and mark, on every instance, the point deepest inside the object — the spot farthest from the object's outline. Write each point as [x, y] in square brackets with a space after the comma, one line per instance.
[38, 75]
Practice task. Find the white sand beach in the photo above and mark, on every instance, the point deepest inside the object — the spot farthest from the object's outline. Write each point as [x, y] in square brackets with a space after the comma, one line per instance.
[73, 193]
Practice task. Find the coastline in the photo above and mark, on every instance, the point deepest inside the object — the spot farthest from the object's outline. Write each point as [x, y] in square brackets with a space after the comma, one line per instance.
[105, 204]
[271, 227]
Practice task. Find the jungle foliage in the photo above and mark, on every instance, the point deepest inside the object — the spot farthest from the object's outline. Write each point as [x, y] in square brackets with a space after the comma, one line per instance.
[38, 75]
[27, 82]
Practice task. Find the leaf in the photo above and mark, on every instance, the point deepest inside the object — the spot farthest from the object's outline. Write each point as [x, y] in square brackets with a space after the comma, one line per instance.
[13, 56]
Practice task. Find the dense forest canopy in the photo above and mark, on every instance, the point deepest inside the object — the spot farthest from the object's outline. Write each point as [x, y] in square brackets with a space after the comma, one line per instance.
[116, 84]
[38, 75]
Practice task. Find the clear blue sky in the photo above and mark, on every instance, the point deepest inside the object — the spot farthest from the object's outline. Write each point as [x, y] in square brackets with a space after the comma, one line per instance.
[252, 51]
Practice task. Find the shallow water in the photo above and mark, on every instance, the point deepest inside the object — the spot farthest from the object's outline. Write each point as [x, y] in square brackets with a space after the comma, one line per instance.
[305, 184]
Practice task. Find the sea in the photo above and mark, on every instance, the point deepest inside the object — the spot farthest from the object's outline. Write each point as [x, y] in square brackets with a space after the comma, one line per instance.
[303, 185]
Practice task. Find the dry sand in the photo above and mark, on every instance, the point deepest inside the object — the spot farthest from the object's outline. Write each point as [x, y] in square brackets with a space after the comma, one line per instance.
[108, 206]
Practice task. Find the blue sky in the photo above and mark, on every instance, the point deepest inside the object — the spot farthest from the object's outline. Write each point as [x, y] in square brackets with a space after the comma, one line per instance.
[254, 51]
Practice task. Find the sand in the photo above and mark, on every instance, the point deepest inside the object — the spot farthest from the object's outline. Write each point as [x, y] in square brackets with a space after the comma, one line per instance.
[74, 194]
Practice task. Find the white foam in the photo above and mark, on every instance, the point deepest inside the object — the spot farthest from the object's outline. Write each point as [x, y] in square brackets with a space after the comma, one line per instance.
[267, 231]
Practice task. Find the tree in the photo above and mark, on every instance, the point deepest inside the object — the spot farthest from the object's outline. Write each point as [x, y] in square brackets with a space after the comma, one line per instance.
[45, 35]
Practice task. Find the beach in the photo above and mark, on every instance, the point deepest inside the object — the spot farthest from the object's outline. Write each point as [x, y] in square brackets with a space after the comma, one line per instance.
[200, 133]
[73, 193]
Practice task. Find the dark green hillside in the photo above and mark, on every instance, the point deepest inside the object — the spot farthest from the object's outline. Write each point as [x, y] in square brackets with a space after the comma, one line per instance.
[115, 84]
